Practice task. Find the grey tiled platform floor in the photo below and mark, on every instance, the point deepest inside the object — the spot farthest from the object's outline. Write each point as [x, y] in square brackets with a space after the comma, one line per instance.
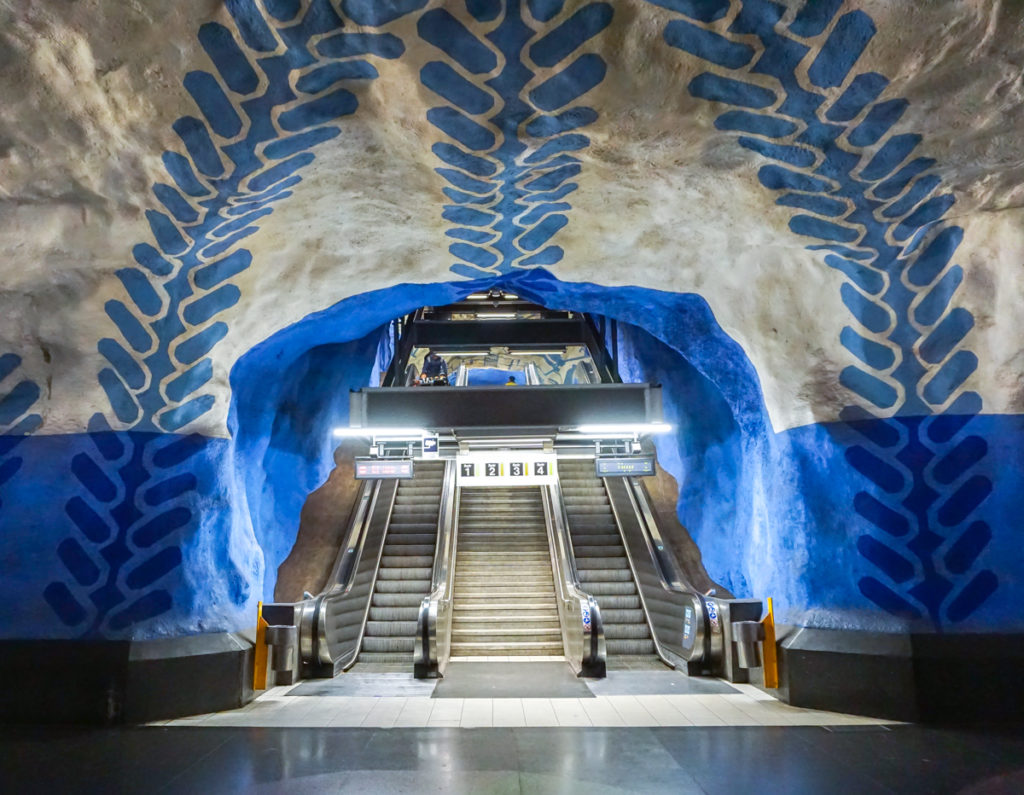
[537, 693]
[755, 759]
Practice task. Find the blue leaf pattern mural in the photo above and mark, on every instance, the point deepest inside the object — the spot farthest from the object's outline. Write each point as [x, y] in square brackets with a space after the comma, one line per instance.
[510, 131]
[861, 194]
[242, 153]
[512, 89]
[18, 396]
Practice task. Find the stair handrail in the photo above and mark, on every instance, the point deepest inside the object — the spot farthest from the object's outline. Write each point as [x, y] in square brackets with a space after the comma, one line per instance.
[432, 645]
[578, 611]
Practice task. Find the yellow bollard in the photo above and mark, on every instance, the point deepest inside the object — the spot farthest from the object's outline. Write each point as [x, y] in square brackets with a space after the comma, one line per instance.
[771, 660]
[259, 665]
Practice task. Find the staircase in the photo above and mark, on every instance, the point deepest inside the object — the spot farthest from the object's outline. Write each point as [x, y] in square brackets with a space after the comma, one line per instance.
[403, 578]
[504, 598]
[601, 560]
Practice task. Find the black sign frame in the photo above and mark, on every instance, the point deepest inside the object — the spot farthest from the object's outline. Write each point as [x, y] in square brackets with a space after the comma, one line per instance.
[369, 468]
[632, 466]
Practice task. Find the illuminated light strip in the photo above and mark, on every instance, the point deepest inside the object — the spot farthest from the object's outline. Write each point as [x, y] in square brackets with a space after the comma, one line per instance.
[535, 352]
[381, 433]
[626, 429]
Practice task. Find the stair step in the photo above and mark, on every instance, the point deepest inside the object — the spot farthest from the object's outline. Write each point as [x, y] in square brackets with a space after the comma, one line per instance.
[506, 593]
[509, 619]
[512, 647]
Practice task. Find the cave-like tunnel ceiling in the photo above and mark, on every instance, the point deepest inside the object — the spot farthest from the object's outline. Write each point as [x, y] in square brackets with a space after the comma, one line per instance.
[839, 181]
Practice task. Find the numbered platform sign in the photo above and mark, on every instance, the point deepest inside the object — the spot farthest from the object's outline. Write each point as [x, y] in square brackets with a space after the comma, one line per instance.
[507, 468]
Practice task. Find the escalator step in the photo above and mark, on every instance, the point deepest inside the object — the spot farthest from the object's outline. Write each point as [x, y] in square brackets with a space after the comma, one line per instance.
[391, 549]
[604, 589]
[397, 599]
[391, 628]
[596, 535]
[412, 539]
[607, 575]
[407, 613]
[629, 646]
[418, 573]
[618, 601]
[407, 561]
[612, 615]
[608, 563]
[388, 644]
[637, 631]
[386, 586]
[380, 658]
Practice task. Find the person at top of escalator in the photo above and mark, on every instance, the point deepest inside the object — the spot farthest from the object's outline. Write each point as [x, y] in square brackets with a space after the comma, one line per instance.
[435, 370]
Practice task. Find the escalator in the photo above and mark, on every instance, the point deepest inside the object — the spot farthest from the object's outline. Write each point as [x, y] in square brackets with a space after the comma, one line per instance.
[602, 563]
[403, 577]
[504, 595]
[574, 566]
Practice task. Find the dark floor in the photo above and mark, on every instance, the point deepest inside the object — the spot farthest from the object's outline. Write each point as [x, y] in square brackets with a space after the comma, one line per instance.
[788, 760]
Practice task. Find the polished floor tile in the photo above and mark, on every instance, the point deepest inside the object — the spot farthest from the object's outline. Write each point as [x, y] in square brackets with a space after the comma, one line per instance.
[794, 760]
[478, 694]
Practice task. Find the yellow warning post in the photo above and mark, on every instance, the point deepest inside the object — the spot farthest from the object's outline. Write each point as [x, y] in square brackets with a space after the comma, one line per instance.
[771, 660]
[259, 664]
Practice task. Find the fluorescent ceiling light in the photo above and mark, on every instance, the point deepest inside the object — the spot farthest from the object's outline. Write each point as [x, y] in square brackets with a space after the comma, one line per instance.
[488, 296]
[379, 433]
[625, 429]
[495, 315]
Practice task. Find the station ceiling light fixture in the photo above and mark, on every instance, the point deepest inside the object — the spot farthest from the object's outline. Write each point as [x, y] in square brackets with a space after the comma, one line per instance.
[624, 429]
[381, 433]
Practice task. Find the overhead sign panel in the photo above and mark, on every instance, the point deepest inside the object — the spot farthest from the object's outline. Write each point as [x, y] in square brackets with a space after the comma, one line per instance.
[507, 468]
[383, 468]
[624, 466]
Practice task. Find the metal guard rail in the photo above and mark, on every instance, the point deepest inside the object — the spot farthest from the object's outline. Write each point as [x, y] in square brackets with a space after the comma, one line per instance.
[433, 623]
[578, 612]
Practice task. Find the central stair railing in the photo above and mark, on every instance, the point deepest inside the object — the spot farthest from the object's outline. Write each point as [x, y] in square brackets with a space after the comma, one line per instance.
[579, 614]
[434, 623]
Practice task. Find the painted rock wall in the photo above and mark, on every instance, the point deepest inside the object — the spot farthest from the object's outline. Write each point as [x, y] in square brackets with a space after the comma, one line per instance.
[808, 212]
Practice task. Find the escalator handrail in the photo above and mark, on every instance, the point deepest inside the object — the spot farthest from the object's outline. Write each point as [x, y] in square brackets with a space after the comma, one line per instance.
[344, 567]
[426, 652]
[339, 591]
[671, 574]
[570, 589]
[673, 584]
[342, 572]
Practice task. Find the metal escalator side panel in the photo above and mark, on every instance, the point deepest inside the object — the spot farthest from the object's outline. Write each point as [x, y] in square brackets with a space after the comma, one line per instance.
[311, 617]
[664, 608]
[670, 570]
[347, 559]
[338, 635]
[402, 578]
[702, 630]
[587, 655]
[432, 642]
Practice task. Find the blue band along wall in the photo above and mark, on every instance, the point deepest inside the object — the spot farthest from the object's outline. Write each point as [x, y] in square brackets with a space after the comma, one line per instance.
[897, 514]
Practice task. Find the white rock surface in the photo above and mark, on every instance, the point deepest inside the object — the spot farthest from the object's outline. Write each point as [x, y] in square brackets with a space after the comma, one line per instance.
[89, 90]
